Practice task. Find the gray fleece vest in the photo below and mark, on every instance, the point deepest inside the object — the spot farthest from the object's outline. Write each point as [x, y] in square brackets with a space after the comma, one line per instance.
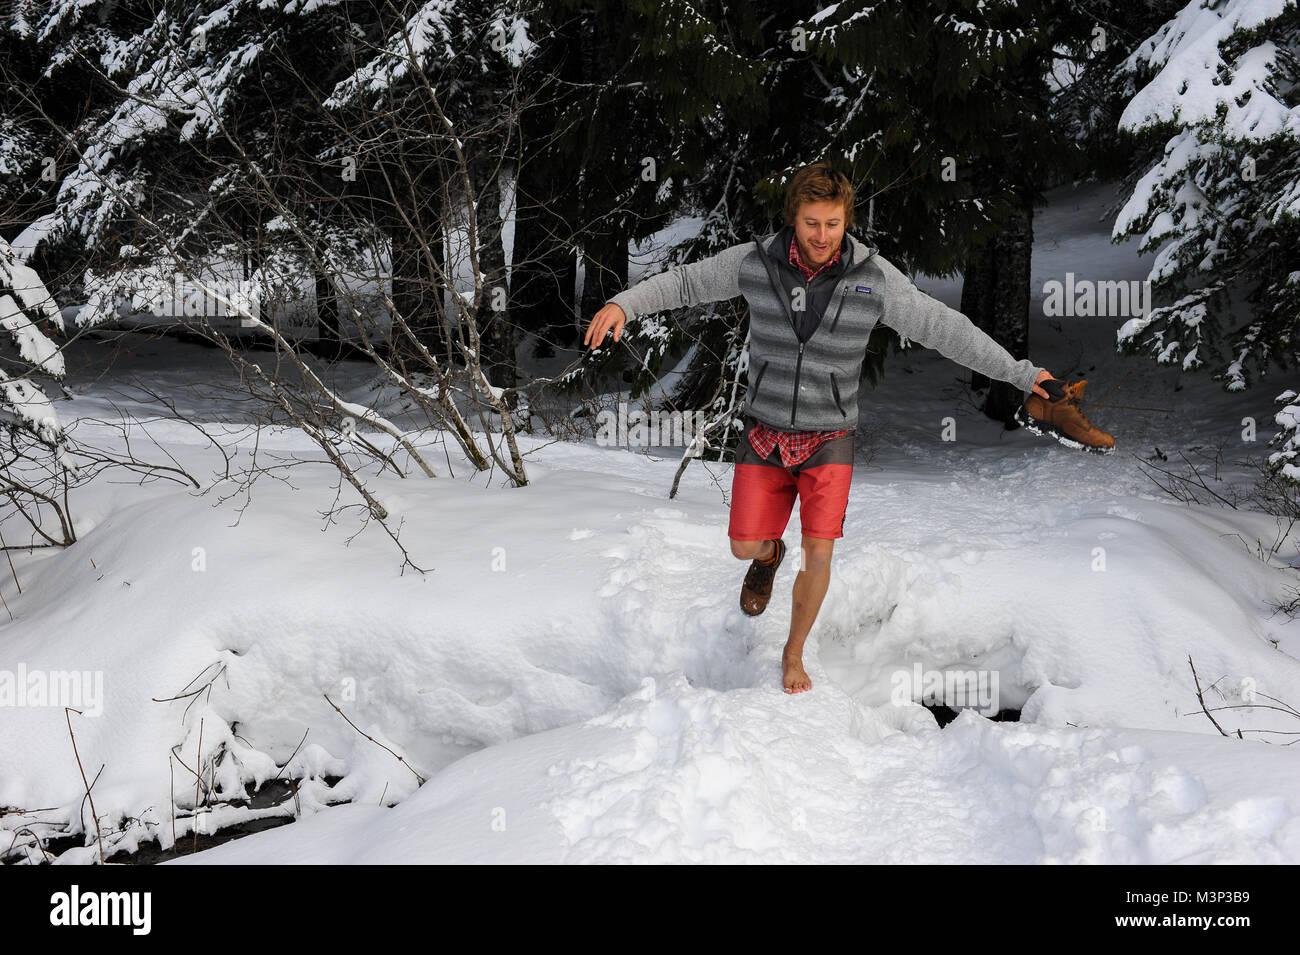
[813, 385]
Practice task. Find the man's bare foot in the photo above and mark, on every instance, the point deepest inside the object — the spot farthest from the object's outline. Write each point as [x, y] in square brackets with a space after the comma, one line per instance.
[793, 677]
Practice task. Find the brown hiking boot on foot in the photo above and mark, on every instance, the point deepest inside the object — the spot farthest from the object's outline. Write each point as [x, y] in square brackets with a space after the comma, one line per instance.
[1061, 418]
[757, 589]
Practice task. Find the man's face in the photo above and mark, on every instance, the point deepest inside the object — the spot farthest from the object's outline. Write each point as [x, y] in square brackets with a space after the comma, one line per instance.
[818, 230]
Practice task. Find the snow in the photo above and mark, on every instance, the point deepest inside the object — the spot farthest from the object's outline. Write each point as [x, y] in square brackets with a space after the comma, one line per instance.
[23, 296]
[574, 677]
[24, 244]
[426, 36]
[1181, 150]
[678, 774]
[1214, 80]
[1194, 81]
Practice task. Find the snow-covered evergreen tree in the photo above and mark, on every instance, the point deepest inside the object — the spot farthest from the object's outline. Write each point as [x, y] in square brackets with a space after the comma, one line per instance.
[25, 305]
[152, 179]
[1218, 83]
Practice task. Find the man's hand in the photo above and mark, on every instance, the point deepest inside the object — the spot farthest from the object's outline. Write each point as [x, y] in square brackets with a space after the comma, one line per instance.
[1039, 391]
[610, 316]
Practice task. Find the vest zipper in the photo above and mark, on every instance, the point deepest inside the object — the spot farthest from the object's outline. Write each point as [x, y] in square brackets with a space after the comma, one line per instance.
[807, 284]
[794, 407]
[797, 365]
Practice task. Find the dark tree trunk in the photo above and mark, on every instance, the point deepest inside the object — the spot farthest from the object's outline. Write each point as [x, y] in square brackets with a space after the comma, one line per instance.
[605, 259]
[544, 276]
[496, 332]
[995, 296]
[429, 322]
[977, 296]
[544, 269]
[417, 255]
[605, 177]
[415, 298]
[1011, 309]
[328, 325]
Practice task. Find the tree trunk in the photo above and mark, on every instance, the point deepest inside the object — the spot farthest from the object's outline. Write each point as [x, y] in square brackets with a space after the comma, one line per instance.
[977, 297]
[995, 296]
[544, 276]
[544, 269]
[605, 260]
[496, 332]
[1011, 304]
[329, 337]
[417, 291]
[604, 245]
[414, 292]
[430, 323]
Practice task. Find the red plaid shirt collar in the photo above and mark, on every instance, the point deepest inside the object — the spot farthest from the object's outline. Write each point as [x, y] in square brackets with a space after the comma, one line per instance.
[797, 262]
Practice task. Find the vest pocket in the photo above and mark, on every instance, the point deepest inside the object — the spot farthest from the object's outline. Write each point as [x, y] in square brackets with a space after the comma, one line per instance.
[843, 295]
[753, 389]
[835, 390]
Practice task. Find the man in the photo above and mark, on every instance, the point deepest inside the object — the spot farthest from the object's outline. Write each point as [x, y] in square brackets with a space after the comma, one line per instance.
[814, 295]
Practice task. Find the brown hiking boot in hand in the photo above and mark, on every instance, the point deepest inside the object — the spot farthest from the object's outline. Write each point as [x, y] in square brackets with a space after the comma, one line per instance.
[757, 589]
[1061, 418]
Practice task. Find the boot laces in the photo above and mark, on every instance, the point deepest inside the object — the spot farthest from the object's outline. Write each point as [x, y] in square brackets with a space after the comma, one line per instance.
[1072, 398]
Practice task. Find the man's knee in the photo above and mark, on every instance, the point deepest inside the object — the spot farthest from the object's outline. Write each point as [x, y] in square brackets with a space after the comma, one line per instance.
[746, 550]
[817, 553]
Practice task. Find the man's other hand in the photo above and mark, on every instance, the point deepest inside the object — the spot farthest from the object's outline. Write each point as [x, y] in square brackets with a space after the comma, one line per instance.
[1039, 390]
[610, 316]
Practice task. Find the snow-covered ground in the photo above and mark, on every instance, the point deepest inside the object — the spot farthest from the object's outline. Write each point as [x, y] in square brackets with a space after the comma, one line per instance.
[575, 678]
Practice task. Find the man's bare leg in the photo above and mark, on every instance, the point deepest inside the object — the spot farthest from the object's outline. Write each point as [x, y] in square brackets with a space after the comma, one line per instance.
[753, 550]
[809, 589]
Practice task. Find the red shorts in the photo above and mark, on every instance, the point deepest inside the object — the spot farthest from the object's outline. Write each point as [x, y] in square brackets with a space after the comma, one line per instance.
[763, 491]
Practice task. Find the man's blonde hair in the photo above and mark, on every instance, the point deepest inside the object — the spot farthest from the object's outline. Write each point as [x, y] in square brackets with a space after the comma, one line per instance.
[819, 183]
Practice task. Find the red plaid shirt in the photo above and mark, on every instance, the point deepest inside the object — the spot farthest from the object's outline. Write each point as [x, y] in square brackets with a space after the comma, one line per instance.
[798, 262]
[796, 446]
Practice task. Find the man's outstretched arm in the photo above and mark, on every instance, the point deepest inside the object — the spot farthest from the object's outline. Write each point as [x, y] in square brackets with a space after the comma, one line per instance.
[924, 319]
[712, 279]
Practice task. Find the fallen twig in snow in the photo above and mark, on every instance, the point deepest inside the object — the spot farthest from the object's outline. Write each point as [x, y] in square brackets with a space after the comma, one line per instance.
[400, 759]
[67, 710]
[1201, 698]
[1209, 711]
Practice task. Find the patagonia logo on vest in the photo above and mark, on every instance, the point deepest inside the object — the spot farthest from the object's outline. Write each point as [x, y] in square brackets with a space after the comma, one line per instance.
[864, 288]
